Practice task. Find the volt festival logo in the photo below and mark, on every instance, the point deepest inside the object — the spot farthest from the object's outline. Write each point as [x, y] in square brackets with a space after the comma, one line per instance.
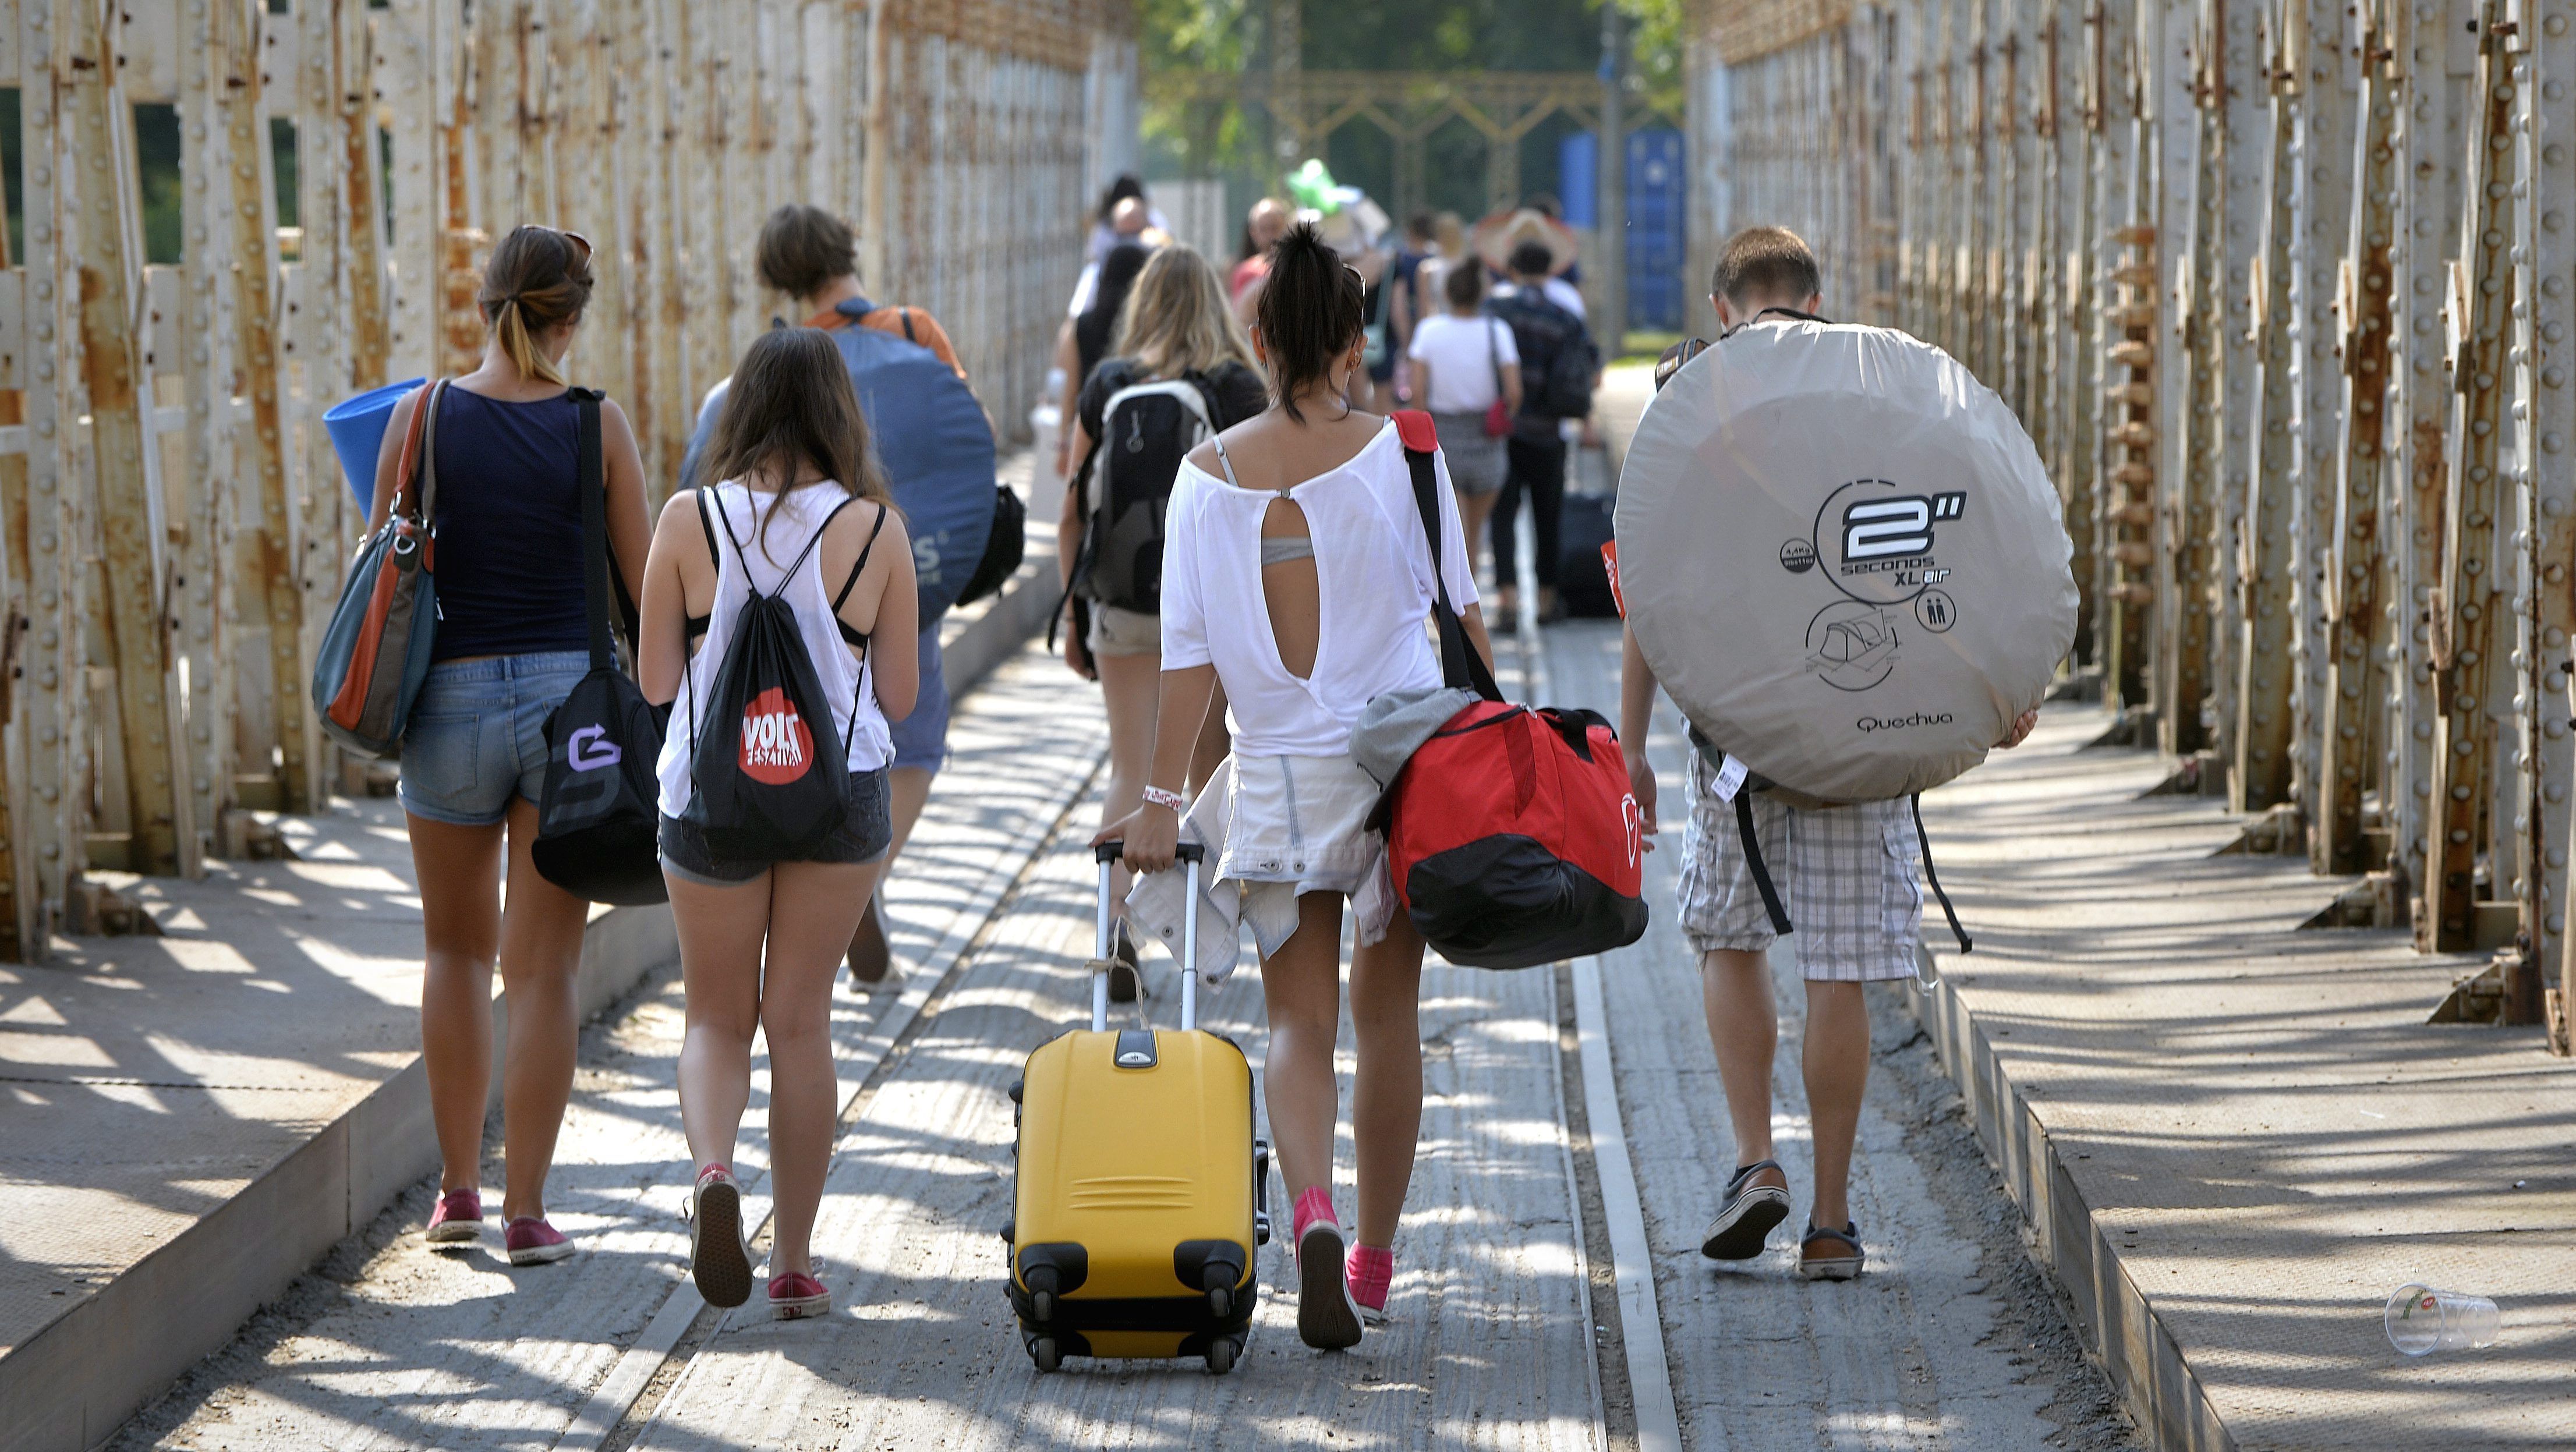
[776, 746]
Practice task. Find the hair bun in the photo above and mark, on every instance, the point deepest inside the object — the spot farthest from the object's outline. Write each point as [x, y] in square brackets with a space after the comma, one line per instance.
[1311, 312]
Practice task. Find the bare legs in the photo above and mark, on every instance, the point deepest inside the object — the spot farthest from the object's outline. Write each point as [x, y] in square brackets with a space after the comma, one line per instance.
[1131, 691]
[1473, 511]
[1302, 987]
[762, 956]
[536, 935]
[1744, 1029]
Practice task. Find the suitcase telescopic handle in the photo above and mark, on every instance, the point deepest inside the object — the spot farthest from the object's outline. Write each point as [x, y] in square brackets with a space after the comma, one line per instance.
[1106, 854]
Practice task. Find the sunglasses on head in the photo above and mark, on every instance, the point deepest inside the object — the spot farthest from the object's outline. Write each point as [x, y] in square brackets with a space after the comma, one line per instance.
[580, 244]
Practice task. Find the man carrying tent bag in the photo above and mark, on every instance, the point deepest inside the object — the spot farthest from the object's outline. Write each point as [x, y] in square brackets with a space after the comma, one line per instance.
[1841, 865]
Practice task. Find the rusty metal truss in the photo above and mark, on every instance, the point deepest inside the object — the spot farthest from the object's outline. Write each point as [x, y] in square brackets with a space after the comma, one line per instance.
[173, 525]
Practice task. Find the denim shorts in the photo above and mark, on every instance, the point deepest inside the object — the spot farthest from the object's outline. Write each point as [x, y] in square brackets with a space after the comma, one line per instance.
[863, 836]
[921, 739]
[477, 735]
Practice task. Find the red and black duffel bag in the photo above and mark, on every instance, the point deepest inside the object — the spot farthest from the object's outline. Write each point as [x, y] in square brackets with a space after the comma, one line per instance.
[1511, 834]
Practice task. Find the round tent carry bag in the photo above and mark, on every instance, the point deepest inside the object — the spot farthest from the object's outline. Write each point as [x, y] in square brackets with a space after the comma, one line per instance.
[1843, 559]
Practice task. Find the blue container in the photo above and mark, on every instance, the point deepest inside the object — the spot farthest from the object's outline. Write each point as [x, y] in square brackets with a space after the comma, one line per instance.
[357, 428]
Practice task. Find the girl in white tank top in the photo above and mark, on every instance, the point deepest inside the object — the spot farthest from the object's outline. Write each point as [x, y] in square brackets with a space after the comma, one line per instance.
[761, 941]
[773, 530]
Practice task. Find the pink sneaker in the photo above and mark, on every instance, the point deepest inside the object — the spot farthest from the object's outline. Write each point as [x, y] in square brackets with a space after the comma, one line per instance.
[796, 1295]
[459, 1217]
[531, 1241]
[1327, 1318]
[719, 1259]
[1371, 1272]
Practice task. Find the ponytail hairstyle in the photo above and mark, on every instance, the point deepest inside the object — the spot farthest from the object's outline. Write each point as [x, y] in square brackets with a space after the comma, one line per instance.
[791, 403]
[537, 281]
[1310, 313]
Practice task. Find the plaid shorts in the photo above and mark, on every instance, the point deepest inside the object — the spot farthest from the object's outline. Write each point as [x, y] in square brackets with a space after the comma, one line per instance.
[1846, 876]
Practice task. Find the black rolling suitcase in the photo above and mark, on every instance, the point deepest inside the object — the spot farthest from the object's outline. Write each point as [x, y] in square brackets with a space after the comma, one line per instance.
[1582, 581]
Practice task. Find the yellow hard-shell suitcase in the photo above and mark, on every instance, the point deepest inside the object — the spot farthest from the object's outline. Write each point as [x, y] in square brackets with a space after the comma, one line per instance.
[1142, 1189]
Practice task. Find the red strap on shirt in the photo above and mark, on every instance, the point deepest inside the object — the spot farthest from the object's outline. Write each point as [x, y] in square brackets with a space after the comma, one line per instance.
[1416, 429]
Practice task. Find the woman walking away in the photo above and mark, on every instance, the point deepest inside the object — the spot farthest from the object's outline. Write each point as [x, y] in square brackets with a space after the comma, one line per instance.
[1176, 333]
[1309, 486]
[1084, 339]
[1464, 364]
[513, 637]
[801, 519]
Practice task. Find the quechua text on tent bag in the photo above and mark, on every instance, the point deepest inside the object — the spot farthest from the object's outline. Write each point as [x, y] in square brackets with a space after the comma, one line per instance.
[599, 817]
[768, 766]
[375, 652]
[1511, 835]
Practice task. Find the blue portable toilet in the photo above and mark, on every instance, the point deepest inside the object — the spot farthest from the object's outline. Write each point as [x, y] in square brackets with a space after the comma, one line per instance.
[1658, 230]
[1658, 220]
[1578, 178]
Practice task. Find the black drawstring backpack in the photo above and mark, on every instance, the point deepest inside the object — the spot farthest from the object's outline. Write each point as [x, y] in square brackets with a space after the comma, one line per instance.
[770, 769]
[600, 814]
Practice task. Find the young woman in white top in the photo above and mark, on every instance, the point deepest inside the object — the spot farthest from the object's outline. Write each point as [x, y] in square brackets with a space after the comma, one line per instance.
[1313, 501]
[802, 514]
[1462, 362]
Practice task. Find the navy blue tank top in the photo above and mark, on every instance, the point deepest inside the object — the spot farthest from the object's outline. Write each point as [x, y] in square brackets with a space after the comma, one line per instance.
[509, 557]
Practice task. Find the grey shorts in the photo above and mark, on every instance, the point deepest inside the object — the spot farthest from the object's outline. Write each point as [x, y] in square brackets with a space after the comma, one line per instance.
[1124, 632]
[863, 836]
[1846, 876]
[1477, 460]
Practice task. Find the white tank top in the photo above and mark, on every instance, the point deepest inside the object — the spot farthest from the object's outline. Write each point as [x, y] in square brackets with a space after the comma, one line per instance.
[846, 682]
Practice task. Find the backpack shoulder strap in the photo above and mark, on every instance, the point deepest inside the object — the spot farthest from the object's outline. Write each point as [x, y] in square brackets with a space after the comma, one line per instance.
[853, 636]
[698, 624]
[591, 481]
[1460, 665]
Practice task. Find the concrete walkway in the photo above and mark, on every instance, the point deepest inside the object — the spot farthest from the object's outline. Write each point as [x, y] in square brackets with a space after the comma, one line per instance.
[1505, 1332]
[2234, 1137]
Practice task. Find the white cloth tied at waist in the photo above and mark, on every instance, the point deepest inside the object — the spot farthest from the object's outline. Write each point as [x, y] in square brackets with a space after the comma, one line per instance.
[1276, 827]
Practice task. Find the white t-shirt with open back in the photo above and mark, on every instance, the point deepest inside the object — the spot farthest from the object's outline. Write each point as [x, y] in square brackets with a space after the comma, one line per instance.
[1373, 570]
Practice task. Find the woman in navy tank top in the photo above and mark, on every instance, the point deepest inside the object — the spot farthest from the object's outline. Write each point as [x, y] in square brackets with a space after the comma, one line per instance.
[513, 638]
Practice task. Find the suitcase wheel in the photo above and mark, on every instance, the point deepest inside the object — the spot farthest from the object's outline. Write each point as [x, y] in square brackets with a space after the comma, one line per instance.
[1010, 1231]
[1043, 1353]
[1042, 1308]
[1220, 1357]
[1221, 1301]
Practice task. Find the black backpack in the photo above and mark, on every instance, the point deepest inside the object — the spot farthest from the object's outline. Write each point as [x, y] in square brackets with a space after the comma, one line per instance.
[1558, 358]
[599, 816]
[769, 768]
[1147, 430]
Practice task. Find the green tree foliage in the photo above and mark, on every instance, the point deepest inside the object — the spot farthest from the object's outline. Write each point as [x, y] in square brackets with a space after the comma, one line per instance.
[1230, 37]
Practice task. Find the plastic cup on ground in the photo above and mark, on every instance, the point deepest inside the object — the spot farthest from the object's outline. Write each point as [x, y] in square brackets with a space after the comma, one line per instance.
[2422, 1320]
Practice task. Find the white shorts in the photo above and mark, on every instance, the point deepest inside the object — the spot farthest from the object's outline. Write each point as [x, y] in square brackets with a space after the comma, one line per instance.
[1846, 876]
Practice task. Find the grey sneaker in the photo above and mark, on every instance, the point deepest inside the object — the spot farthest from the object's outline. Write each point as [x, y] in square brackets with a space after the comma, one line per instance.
[1757, 1198]
[1827, 1254]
